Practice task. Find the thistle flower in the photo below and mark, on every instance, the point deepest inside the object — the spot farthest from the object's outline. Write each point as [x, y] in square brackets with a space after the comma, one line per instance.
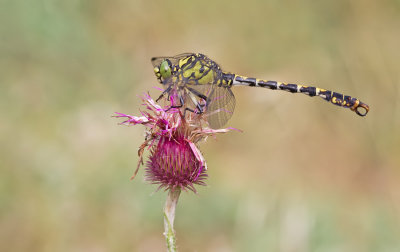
[175, 161]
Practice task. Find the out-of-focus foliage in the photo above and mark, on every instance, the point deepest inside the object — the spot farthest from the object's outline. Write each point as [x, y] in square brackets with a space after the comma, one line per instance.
[303, 176]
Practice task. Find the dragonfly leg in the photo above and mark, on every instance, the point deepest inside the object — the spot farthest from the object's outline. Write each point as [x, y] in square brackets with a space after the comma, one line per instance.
[199, 106]
[197, 93]
[177, 106]
[166, 91]
[191, 110]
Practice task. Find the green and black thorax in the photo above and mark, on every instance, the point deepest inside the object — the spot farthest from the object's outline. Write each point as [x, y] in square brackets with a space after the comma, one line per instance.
[190, 68]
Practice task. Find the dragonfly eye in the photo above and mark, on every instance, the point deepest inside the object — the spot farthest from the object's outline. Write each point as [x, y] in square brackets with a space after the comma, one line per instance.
[165, 69]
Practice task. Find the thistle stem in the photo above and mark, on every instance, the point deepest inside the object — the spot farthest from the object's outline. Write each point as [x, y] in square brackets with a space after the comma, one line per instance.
[169, 216]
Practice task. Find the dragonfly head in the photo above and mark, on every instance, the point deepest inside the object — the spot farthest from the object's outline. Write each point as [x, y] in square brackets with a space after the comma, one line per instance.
[164, 70]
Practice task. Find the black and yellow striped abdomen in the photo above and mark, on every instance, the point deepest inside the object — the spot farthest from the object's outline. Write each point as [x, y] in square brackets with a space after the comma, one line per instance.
[338, 99]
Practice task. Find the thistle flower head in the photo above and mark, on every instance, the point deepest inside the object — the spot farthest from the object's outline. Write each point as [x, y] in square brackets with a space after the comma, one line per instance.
[175, 161]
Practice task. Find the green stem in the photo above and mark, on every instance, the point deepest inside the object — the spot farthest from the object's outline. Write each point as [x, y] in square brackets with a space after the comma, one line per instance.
[169, 216]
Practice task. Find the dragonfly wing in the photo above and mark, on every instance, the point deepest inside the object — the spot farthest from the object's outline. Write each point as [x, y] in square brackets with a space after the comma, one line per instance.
[197, 96]
[217, 102]
[220, 106]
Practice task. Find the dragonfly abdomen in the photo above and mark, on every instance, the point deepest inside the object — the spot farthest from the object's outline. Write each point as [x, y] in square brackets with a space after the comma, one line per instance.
[335, 98]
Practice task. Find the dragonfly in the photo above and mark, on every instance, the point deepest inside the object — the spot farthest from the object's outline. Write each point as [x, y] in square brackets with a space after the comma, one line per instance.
[199, 85]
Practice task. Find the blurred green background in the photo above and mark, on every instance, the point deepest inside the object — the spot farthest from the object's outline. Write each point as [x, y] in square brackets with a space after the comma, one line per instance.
[303, 176]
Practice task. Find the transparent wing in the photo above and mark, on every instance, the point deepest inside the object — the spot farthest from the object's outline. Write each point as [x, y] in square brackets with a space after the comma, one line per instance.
[197, 96]
[218, 102]
[220, 106]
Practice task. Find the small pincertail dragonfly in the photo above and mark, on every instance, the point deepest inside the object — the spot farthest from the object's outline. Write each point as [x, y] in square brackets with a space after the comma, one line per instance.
[198, 84]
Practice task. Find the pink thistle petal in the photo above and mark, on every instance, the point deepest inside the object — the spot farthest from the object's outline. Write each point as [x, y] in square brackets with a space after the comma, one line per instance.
[132, 119]
[175, 160]
[198, 155]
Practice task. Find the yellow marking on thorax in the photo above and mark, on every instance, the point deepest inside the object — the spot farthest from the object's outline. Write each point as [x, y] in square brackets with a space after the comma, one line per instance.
[194, 72]
[208, 78]
[175, 79]
[224, 82]
[184, 61]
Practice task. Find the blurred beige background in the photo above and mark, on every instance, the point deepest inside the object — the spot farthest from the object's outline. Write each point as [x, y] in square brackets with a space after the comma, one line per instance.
[303, 176]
